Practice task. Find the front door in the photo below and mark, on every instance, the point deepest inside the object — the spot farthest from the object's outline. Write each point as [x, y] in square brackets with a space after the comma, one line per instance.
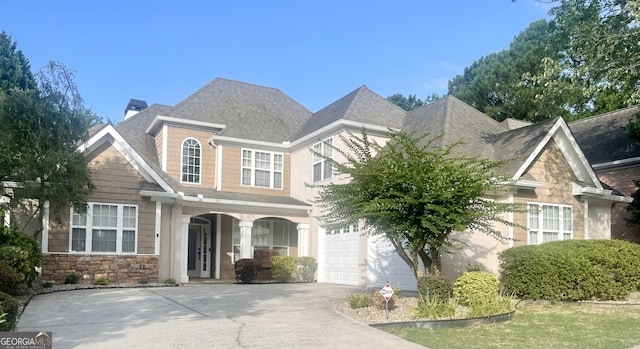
[194, 257]
[199, 251]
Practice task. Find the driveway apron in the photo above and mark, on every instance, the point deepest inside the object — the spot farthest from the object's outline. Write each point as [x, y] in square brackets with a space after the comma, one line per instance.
[203, 316]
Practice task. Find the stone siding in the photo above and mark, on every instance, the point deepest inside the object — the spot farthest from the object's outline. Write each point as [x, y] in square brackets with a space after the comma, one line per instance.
[116, 268]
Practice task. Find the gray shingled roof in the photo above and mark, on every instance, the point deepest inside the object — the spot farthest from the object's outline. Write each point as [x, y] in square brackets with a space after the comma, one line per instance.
[515, 146]
[603, 138]
[361, 105]
[249, 111]
[456, 121]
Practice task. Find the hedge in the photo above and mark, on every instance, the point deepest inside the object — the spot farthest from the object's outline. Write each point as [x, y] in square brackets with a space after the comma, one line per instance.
[290, 268]
[572, 270]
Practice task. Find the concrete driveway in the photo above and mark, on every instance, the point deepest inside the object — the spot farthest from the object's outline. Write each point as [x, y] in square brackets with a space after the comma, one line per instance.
[203, 316]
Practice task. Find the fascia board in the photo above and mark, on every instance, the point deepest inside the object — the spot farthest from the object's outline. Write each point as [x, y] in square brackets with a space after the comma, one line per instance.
[109, 133]
[160, 119]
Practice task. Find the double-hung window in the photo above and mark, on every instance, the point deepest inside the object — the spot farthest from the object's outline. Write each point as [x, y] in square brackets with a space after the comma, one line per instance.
[549, 222]
[262, 169]
[191, 160]
[322, 168]
[104, 228]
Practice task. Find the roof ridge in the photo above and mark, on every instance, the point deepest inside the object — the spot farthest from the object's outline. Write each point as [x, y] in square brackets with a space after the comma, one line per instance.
[609, 113]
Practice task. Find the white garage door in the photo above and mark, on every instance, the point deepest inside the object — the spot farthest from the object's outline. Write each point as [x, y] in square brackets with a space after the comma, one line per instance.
[338, 262]
[384, 265]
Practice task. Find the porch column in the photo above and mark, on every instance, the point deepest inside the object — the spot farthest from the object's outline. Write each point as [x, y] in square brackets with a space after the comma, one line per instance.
[184, 248]
[303, 239]
[245, 239]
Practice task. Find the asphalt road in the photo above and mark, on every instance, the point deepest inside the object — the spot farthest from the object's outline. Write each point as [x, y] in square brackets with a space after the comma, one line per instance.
[204, 316]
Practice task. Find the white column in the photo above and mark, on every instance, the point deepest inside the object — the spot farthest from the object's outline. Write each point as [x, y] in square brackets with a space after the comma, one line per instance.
[218, 242]
[158, 229]
[245, 239]
[44, 244]
[184, 277]
[586, 220]
[303, 239]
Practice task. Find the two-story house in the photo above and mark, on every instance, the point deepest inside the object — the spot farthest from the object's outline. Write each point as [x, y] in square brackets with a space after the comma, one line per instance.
[184, 191]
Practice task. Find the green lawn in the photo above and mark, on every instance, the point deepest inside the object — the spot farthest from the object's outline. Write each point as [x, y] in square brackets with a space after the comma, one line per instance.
[541, 326]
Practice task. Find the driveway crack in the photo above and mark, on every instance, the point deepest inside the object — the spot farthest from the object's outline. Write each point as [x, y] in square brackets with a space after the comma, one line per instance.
[242, 326]
[176, 302]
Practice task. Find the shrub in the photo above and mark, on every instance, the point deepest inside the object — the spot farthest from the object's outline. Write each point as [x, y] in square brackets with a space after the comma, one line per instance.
[247, 270]
[380, 303]
[71, 279]
[101, 281]
[47, 284]
[283, 268]
[307, 267]
[433, 307]
[475, 287]
[143, 281]
[492, 306]
[435, 285]
[572, 270]
[289, 268]
[21, 252]
[170, 281]
[8, 279]
[360, 300]
[8, 305]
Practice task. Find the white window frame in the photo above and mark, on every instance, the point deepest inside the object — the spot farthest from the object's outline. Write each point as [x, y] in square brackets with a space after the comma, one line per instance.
[536, 220]
[250, 162]
[197, 169]
[235, 237]
[325, 149]
[88, 227]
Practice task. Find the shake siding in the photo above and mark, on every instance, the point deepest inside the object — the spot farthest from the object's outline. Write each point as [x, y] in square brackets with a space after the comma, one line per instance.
[556, 176]
[175, 137]
[231, 174]
[116, 182]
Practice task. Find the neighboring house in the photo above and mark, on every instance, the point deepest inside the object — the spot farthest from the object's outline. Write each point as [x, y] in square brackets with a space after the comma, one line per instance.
[184, 191]
[615, 158]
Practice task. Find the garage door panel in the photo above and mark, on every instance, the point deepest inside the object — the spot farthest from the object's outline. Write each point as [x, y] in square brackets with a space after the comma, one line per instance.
[339, 256]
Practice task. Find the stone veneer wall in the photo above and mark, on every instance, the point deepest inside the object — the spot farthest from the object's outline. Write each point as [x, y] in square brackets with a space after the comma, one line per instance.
[117, 269]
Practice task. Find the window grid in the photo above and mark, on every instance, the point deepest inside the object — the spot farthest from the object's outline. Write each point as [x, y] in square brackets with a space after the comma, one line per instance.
[191, 161]
[262, 169]
[549, 222]
[322, 168]
[105, 228]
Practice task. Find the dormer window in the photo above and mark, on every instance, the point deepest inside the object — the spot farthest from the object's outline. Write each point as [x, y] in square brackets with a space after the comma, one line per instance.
[191, 161]
[262, 169]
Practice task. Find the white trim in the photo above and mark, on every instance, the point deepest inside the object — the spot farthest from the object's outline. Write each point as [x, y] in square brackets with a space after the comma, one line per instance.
[182, 164]
[219, 167]
[571, 151]
[586, 219]
[540, 230]
[616, 163]
[158, 228]
[603, 194]
[510, 218]
[180, 121]
[287, 145]
[272, 170]
[119, 228]
[165, 146]
[45, 228]
[218, 242]
[127, 151]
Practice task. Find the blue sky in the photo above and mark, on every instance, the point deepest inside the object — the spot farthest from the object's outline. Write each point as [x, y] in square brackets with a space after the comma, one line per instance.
[314, 51]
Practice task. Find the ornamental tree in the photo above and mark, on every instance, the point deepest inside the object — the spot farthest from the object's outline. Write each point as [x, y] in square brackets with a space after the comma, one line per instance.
[413, 193]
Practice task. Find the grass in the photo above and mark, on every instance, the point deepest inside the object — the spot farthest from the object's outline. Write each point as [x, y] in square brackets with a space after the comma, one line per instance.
[541, 326]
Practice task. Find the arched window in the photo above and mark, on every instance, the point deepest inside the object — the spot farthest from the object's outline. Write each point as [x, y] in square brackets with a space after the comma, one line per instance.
[191, 160]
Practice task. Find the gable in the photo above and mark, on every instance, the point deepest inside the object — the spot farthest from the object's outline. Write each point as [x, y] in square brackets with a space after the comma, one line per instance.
[113, 175]
[568, 148]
